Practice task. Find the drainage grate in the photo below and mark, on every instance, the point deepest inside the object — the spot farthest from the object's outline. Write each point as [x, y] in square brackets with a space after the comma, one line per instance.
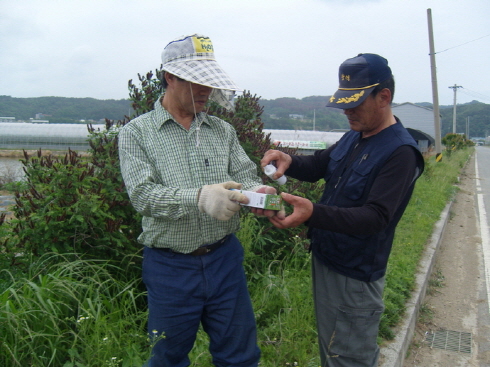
[450, 340]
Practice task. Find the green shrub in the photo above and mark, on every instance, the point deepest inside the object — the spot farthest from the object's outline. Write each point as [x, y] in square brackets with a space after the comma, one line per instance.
[75, 204]
[456, 141]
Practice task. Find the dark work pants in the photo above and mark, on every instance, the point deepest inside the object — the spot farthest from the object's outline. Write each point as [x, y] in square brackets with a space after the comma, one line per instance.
[185, 291]
[348, 313]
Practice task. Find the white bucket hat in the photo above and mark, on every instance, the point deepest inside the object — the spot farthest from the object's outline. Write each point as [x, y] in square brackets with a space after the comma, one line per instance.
[192, 58]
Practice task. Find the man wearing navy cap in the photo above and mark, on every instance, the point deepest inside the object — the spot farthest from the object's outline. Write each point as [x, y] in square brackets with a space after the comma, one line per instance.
[369, 177]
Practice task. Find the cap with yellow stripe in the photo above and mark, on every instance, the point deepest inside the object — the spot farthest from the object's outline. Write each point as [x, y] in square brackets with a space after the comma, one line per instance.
[358, 76]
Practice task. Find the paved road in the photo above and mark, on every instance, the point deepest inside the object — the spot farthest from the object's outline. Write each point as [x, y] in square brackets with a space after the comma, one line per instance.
[456, 307]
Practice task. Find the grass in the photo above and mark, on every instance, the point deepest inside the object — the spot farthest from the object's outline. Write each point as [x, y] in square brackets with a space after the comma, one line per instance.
[436, 282]
[432, 192]
[426, 314]
[70, 312]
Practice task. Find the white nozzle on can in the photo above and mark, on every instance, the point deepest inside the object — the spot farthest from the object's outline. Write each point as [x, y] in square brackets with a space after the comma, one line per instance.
[269, 170]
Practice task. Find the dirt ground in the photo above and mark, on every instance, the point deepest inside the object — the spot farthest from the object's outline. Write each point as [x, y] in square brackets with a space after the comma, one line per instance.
[456, 289]
[13, 153]
[19, 153]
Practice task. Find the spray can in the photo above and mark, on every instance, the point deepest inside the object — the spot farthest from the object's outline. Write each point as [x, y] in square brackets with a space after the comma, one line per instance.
[270, 169]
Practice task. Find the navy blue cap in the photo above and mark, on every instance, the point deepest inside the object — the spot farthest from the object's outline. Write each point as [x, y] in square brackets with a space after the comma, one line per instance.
[358, 76]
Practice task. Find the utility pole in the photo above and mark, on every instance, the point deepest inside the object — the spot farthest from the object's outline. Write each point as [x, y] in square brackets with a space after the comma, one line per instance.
[455, 88]
[435, 97]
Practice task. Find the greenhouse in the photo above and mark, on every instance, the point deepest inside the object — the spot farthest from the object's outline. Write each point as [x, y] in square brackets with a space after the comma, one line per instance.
[44, 136]
[25, 135]
[306, 141]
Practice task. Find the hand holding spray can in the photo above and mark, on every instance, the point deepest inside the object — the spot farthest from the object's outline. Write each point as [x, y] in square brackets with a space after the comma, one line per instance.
[270, 169]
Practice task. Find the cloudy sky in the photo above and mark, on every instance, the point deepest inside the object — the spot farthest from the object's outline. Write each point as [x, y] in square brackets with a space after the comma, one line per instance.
[273, 48]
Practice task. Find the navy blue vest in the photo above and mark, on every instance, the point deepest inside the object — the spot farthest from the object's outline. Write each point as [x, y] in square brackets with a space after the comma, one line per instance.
[348, 183]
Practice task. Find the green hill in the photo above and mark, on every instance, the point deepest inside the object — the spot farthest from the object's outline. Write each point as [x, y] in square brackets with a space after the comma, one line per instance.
[281, 113]
[64, 110]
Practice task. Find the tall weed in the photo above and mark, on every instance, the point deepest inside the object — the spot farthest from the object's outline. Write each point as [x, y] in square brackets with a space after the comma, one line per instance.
[73, 313]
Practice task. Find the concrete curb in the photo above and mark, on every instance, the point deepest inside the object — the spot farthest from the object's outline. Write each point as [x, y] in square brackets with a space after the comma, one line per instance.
[393, 353]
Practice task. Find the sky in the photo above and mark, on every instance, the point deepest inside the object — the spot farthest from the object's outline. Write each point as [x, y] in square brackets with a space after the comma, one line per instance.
[272, 48]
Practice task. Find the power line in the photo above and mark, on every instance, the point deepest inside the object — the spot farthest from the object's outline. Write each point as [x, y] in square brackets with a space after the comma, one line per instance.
[474, 94]
[450, 48]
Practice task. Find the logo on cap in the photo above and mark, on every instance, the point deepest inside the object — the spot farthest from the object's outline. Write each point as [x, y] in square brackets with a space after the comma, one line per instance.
[202, 44]
[354, 98]
[358, 76]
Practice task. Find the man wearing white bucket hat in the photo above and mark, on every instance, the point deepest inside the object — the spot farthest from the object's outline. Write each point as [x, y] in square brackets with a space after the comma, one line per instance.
[179, 165]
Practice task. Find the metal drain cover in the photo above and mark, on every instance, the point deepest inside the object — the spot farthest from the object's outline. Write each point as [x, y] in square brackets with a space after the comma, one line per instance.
[450, 340]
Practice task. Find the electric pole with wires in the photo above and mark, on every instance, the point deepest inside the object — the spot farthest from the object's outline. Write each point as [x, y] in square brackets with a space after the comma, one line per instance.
[455, 88]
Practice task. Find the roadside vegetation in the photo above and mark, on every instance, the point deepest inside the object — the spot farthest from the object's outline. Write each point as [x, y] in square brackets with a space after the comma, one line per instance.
[70, 286]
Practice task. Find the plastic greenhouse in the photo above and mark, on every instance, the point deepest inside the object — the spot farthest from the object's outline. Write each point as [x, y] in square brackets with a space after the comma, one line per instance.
[306, 141]
[74, 136]
[44, 136]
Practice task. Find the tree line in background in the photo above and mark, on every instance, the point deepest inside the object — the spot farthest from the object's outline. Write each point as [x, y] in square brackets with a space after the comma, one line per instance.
[282, 113]
[476, 114]
[64, 110]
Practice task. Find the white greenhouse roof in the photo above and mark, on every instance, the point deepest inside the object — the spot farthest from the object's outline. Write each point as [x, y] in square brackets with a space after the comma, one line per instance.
[32, 129]
[25, 135]
[304, 139]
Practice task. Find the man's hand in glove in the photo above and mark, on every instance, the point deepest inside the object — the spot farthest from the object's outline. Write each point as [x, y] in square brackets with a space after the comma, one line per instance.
[219, 201]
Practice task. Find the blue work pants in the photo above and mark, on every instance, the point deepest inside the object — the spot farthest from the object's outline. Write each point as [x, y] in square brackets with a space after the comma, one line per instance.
[185, 291]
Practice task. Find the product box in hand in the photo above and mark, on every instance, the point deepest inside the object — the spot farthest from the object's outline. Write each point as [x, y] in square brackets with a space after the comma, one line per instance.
[262, 201]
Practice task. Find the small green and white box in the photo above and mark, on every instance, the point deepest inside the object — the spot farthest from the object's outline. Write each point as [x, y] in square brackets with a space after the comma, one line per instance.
[262, 201]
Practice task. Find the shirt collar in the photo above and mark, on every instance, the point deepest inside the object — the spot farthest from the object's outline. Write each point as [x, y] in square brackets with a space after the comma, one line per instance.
[163, 116]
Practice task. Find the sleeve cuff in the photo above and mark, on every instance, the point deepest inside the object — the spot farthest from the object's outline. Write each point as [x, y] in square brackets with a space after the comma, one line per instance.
[313, 220]
[189, 197]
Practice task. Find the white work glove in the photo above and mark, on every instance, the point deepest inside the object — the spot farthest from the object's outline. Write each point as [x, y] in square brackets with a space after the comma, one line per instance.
[219, 201]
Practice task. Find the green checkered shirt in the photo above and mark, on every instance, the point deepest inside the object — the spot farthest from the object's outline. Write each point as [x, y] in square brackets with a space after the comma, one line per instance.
[164, 166]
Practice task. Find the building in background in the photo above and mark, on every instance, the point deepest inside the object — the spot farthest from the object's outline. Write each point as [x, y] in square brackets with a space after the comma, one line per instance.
[419, 121]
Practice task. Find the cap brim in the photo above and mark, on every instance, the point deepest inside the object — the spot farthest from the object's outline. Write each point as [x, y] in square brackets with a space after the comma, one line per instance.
[349, 98]
[204, 72]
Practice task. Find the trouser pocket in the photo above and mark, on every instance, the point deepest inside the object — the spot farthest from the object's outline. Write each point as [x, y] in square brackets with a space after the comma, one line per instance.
[355, 333]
